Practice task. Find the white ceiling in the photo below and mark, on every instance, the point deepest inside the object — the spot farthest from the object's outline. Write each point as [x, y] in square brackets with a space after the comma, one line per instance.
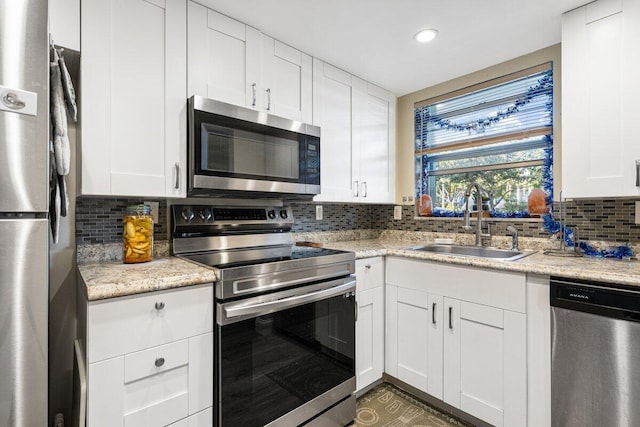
[373, 39]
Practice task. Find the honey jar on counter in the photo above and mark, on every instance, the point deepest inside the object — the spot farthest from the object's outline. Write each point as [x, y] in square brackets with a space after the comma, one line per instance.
[137, 234]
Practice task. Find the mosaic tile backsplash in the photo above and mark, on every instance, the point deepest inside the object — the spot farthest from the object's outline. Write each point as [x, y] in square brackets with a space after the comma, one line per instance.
[100, 220]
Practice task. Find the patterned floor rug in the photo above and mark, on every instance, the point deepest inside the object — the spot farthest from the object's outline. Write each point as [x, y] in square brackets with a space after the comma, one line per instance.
[388, 406]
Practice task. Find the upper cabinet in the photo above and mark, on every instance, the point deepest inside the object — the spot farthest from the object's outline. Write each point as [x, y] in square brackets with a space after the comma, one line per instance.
[357, 121]
[374, 143]
[133, 97]
[64, 23]
[600, 92]
[231, 62]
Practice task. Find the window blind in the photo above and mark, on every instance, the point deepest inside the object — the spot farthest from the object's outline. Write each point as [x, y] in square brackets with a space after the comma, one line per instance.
[499, 124]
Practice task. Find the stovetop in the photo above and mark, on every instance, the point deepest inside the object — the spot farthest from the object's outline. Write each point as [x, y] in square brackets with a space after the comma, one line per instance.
[252, 248]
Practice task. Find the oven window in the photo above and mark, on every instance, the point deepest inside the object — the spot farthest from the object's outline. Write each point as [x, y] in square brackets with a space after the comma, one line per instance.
[274, 363]
[245, 152]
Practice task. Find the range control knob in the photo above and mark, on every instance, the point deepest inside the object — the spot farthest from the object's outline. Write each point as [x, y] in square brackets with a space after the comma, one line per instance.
[271, 214]
[187, 214]
[205, 214]
[284, 214]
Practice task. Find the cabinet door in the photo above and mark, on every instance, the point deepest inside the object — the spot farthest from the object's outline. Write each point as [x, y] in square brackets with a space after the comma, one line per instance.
[485, 362]
[409, 337]
[599, 100]
[332, 112]
[200, 372]
[105, 393]
[374, 142]
[216, 56]
[286, 81]
[369, 336]
[64, 23]
[133, 97]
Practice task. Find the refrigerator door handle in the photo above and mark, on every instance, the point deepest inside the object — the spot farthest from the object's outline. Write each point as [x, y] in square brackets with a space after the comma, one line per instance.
[11, 100]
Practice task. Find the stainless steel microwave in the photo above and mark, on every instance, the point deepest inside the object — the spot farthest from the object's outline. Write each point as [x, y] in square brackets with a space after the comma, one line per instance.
[234, 149]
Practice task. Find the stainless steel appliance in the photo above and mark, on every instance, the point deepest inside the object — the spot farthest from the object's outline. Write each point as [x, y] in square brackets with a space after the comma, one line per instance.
[284, 340]
[595, 369]
[234, 149]
[24, 240]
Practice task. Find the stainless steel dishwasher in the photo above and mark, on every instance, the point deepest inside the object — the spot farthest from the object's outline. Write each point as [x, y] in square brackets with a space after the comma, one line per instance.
[595, 354]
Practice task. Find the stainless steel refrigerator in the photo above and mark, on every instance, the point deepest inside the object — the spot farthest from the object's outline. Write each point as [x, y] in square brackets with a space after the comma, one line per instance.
[24, 229]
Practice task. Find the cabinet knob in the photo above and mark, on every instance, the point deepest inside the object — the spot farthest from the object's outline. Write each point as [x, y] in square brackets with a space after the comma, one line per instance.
[159, 305]
[368, 266]
[159, 362]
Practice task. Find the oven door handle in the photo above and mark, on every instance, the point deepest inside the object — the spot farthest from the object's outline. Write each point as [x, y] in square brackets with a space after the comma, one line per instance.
[267, 307]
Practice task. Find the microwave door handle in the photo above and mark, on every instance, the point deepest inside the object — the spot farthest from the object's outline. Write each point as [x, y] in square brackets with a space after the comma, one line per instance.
[258, 309]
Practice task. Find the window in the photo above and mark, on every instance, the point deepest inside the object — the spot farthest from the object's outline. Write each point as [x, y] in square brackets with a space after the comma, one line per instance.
[498, 134]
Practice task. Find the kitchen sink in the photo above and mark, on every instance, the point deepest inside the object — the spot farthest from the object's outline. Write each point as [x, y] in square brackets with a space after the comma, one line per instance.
[472, 251]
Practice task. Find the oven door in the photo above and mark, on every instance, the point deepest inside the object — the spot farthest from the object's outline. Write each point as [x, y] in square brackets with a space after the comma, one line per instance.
[283, 358]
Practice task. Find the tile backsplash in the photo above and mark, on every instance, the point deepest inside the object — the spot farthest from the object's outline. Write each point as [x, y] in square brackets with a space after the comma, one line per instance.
[100, 220]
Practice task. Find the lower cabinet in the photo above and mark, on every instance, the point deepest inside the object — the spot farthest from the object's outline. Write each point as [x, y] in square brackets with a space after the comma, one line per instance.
[169, 382]
[414, 338]
[370, 321]
[201, 419]
[485, 369]
[452, 334]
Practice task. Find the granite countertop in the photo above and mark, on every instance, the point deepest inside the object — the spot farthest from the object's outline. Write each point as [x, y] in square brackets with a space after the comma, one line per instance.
[586, 268]
[115, 279]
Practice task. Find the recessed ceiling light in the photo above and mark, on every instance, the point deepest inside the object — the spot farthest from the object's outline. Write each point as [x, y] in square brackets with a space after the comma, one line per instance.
[425, 36]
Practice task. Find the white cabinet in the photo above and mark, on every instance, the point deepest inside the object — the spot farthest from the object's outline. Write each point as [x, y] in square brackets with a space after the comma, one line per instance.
[217, 55]
[600, 89]
[285, 87]
[332, 112]
[414, 338]
[373, 144]
[370, 321]
[231, 62]
[358, 137]
[64, 23]
[133, 97]
[150, 359]
[485, 362]
[459, 334]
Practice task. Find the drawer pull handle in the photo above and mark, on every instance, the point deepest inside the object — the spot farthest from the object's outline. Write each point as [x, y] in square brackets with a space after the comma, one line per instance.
[159, 305]
[159, 362]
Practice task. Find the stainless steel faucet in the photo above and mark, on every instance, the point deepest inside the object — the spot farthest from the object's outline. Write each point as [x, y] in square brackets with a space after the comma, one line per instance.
[465, 225]
[514, 237]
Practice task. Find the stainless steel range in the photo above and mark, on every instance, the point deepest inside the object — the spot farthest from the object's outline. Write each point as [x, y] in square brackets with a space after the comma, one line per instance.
[284, 341]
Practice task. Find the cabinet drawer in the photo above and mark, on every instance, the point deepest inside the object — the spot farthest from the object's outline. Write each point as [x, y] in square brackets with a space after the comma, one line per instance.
[155, 360]
[125, 325]
[369, 273]
[201, 419]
